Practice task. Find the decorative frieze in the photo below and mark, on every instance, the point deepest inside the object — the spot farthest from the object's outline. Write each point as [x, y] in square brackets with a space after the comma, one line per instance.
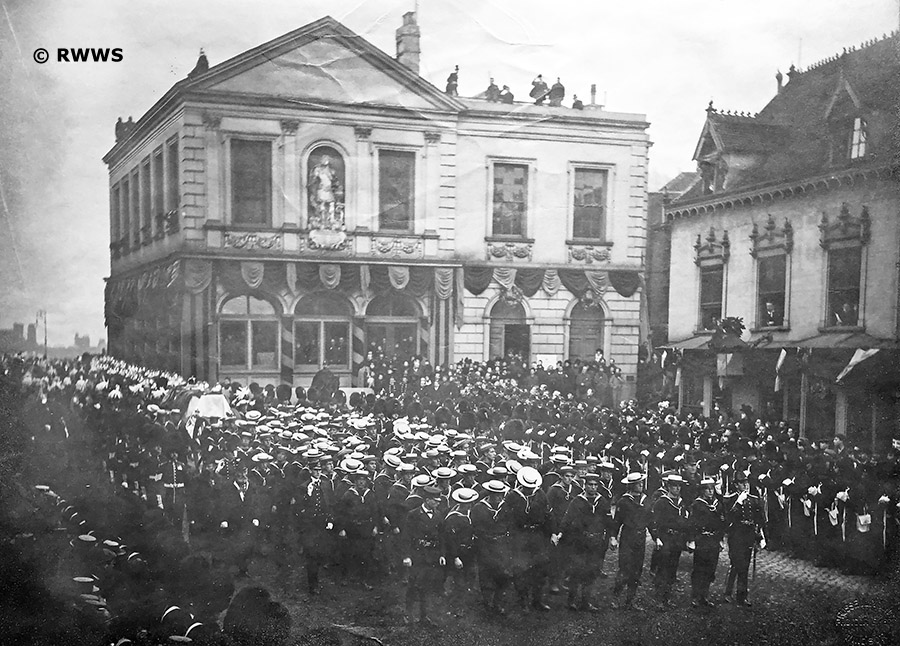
[846, 228]
[327, 242]
[398, 247]
[253, 241]
[362, 132]
[509, 250]
[713, 249]
[588, 254]
[289, 126]
[212, 121]
[772, 237]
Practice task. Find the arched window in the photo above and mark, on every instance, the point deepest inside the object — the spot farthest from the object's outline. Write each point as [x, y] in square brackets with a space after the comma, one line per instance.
[322, 332]
[248, 334]
[585, 331]
[392, 326]
[510, 336]
[325, 189]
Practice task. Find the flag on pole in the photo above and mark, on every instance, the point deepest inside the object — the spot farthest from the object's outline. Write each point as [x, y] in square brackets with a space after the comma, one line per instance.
[858, 357]
[781, 358]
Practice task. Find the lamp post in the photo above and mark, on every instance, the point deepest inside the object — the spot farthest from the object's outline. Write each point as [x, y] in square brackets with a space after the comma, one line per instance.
[42, 314]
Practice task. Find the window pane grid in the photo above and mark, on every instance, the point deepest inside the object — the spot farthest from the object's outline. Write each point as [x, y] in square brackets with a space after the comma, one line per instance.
[710, 296]
[589, 204]
[771, 290]
[858, 139]
[251, 181]
[510, 199]
[844, 268]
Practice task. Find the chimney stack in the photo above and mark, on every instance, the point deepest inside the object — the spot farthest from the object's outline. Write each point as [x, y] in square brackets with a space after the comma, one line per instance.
[593, 94]
[408, 49]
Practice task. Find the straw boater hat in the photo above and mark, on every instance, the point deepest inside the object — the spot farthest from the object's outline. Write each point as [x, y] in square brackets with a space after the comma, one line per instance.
[529, 477]
[464, 495]
[633, 478]
[495, 486]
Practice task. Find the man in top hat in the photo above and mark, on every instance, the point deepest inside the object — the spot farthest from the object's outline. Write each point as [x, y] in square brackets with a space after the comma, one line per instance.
[706, 528]
[422, 546]
[315, 518]
[630, 533]
[667, 527]
[744, 521]
[583, 532]
[526, 511]
[490, 545]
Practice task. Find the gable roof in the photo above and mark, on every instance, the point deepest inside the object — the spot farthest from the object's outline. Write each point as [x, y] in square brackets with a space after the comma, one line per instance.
[284, 74]
[801, 132]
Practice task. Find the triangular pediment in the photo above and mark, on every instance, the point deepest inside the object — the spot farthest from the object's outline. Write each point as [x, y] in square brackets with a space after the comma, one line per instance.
[707, 144]
[325, 63]
[844, 100]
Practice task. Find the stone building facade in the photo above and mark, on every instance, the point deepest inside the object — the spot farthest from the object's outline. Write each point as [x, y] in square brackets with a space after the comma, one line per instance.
[314, 199]
[793, 227]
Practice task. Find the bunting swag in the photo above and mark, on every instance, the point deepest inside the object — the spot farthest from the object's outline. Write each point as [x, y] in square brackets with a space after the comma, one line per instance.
[252, 272]
[330, 275]
[307, 275]
[598, 280]
[399, 277]
[575, 281]
[421, 279]
[349, 278]
[443, 282]
[529, 280]
[198, 275]
[625, 282]
[460, 297]
[477, 279]
[551, 282]
[506, 276]
[379, 279]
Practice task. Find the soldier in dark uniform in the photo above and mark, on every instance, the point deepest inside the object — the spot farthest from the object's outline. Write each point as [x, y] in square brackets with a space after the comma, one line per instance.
[630, 525]
[490, 538]
[559, 495]
[606, 469]
[526, 512]
[422, 546]
[706, 529]
[744, 522]
[357, 516]
[314, 505]
[395, 511]
[584, 528]
[667, 527]
[458, 540]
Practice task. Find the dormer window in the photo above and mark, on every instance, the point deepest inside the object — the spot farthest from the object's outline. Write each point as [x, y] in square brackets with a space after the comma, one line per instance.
[858, 139]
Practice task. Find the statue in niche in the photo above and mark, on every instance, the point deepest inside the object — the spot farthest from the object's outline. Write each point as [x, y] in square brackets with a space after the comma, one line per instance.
[325, 188]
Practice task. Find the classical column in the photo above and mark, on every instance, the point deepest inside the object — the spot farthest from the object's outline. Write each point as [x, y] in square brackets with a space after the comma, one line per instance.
[215, 179]
[366, 167]
[290, 195]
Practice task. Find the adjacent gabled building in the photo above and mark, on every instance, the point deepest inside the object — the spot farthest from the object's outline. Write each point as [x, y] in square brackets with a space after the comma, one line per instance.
[314, 199]
[793, 227]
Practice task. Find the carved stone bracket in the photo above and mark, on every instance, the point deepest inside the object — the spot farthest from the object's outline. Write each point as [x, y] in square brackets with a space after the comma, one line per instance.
[362, 132]
[212, 121]
[772, 237]
[712, 249]
[432, 137]
[289, 126]
[846, 227]
[588, 254]
[398, 247]
[509, 250]
[253, 241]
[326, 242]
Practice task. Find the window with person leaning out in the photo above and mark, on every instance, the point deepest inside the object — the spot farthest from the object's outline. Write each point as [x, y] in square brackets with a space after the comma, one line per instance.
[846, 314]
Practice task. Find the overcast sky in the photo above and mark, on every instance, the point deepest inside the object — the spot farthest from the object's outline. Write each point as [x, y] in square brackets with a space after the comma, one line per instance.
[662, 58]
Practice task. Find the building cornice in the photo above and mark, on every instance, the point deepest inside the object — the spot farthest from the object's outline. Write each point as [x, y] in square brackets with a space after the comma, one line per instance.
[766, 193]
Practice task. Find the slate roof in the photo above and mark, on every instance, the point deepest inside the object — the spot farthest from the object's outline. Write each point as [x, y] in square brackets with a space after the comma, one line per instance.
[803, 130]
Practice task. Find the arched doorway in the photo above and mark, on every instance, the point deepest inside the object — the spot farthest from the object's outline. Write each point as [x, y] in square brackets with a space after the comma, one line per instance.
[392, 326]
[585, 331]
[510, 335]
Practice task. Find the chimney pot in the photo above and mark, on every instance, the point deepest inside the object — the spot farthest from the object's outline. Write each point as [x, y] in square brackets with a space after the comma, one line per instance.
[408, 35]
[593, 94]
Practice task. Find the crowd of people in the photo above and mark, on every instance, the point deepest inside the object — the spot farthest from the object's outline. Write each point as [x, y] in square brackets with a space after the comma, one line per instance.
[516, 481]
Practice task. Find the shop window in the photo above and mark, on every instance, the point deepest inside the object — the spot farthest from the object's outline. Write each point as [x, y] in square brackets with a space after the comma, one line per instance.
[322, 332]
